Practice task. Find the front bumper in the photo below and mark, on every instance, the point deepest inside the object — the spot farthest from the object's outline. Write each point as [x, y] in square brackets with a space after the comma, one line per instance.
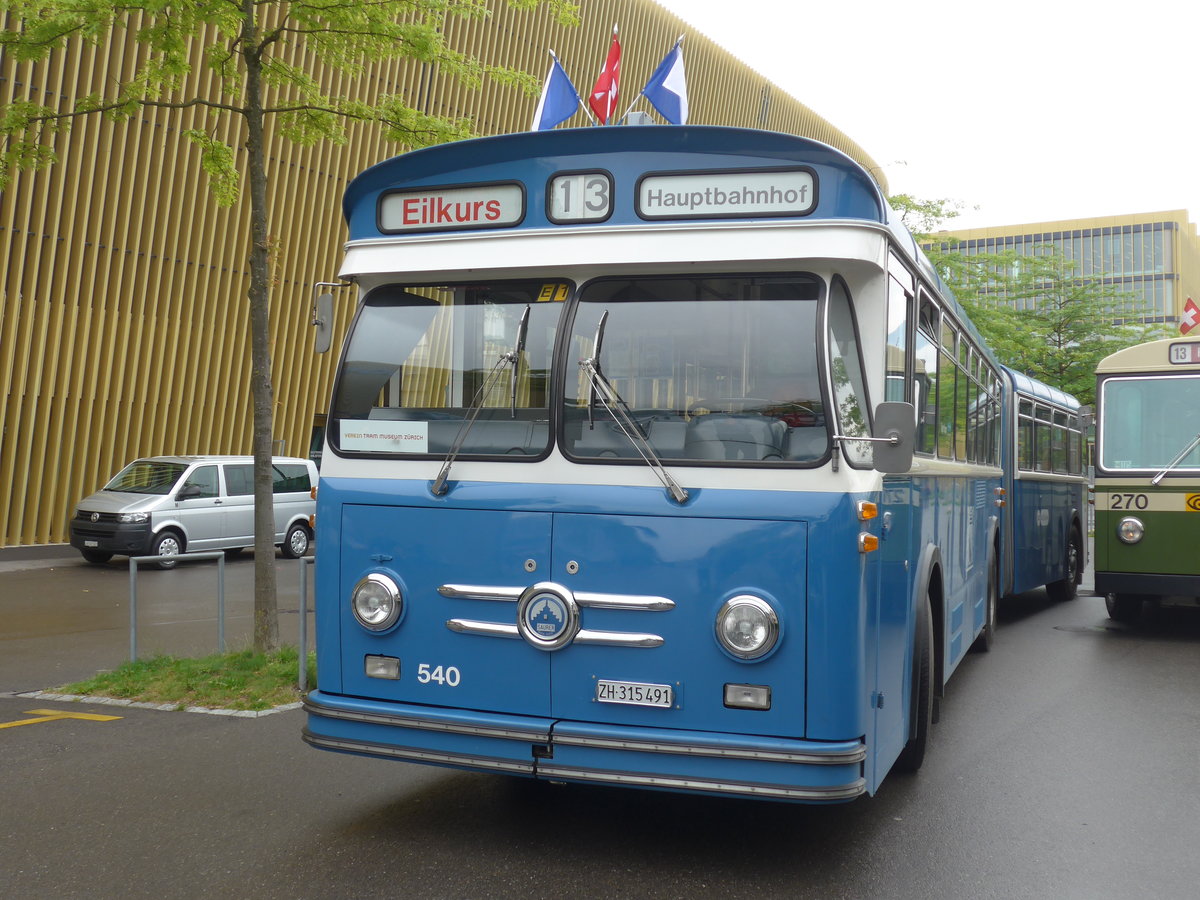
[666, 759]
[110, 537]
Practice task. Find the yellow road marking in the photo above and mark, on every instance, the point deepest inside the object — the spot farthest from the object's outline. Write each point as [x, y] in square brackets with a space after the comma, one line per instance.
[51, 715]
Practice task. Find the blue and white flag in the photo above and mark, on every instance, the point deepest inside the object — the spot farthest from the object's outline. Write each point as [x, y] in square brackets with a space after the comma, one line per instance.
[559, 98]
[667, 88]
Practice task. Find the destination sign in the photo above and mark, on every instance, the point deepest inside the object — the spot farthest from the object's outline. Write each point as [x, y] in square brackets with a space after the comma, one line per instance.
[1184, 354]
[444, 209]
[778, 192]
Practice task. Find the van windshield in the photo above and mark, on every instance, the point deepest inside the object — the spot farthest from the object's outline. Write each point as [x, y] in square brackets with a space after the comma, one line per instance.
[146, 476]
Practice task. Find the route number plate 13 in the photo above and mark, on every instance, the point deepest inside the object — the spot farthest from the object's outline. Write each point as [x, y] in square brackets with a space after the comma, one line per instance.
[635, 693]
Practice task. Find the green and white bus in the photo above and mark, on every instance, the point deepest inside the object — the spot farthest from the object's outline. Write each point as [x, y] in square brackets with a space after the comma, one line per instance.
[1148, 476]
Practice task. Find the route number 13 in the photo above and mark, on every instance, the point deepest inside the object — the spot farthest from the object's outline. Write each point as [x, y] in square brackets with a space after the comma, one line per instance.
[584, 197]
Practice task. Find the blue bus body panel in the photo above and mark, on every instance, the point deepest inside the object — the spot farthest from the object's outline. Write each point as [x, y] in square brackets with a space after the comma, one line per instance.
[720, 544]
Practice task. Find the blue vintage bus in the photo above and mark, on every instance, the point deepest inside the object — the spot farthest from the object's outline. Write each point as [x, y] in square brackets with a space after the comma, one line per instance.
[1045, 488]
[657, 457]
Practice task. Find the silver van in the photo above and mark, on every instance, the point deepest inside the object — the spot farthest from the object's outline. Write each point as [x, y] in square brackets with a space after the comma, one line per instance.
[166, 505]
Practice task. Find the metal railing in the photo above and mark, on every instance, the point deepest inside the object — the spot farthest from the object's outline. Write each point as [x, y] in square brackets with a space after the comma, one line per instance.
[219, 556]
[135, 561]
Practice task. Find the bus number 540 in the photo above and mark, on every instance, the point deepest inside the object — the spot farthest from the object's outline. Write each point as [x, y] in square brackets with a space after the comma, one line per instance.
[447, 675]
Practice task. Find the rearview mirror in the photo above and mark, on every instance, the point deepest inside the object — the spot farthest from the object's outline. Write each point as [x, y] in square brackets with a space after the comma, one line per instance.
[895, 435]
[323, 320]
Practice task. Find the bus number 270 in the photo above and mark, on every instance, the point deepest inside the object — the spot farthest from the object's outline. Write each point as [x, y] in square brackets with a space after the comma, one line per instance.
[1128, 501]
[446, 675]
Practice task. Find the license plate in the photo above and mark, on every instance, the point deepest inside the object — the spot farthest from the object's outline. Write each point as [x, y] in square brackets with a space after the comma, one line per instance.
[91, 543]
[635, 693]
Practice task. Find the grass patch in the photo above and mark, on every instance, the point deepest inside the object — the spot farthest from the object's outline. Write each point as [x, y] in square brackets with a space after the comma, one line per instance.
[241, 680]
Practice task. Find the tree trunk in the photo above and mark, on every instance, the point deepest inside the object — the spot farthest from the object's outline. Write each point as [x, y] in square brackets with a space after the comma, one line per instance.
[266, 612]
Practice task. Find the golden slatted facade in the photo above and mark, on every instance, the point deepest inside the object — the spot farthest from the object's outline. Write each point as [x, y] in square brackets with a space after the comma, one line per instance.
[124, 327]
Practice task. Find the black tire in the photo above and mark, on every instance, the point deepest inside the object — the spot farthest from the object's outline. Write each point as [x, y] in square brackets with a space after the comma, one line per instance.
[913, 754]
[1124, 607]
[96, 556]
[987, 637]
[1068, 588]
[297, 541]
[168, 544]
[232, 552]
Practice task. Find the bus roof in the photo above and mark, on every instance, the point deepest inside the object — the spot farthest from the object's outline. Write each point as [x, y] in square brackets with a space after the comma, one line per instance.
[1038, 390]
[1153, 356]
[533, 156]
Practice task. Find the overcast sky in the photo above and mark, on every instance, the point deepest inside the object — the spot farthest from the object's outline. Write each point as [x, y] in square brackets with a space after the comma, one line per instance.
[1049, 109]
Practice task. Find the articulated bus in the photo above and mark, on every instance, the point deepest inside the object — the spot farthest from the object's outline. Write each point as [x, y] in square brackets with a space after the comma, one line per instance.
[657, 457]
[1045, 486]
[1148, 476]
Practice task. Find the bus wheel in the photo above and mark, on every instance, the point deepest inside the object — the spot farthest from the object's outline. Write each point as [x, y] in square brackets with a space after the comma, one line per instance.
[1123, 607]
[1067, 589]
[921, 710]
[983, 643]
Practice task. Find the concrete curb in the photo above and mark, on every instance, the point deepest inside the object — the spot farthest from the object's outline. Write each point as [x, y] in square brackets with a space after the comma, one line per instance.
[165, 707]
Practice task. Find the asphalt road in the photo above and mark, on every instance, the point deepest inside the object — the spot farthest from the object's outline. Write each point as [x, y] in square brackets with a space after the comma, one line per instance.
[1065, 766]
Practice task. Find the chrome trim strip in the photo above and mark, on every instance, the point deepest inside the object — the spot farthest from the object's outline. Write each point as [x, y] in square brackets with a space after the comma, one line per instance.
[424, 756]
[617, 638]
[479, 592]
[428, 724]
[488, 629]
[836, 792]
[810, 757]
[623, 601]
[583, 598]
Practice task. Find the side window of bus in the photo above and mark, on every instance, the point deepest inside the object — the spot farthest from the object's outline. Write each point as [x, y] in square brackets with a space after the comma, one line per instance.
[899, 297]
[1025, 436]
[1059, 442]
[1042, 440]
[947, 390]
[849, 387]
[925, 377]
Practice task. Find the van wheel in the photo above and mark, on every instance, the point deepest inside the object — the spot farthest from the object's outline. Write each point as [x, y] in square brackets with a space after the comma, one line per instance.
[296, 542]
[96, 556]
[1067, 588]
[167, 545]
[913, 754]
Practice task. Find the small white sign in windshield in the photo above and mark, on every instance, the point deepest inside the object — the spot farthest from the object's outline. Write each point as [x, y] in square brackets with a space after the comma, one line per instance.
[375, 436]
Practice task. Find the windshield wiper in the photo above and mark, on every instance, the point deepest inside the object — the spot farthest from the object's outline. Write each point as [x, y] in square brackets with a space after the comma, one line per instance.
[510, 357]
[1176, 461]
[600, 388]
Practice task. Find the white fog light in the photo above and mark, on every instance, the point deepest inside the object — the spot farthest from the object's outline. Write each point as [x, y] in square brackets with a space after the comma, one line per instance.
[1131, 530]
[747, 626]
[747, 696]
[377, 602]
[383, 667]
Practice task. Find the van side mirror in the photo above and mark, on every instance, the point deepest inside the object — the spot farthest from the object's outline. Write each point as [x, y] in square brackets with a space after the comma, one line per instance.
[323, 320]
[188, 491]
[895, 437]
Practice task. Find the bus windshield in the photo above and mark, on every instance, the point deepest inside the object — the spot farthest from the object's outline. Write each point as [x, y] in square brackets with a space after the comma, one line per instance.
[710, 368]
[420, 360]
[1147, 422]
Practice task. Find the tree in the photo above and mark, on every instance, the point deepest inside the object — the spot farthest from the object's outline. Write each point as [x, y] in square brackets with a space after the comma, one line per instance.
[1037, 314]
[252, 81]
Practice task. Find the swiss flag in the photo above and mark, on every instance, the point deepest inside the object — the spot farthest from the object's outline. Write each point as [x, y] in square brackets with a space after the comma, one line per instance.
[603, 99]
[1190, 318]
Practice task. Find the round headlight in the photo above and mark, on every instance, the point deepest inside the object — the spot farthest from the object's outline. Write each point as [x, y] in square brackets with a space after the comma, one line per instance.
[1131, 530]
[747, 626]
[377, 602]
